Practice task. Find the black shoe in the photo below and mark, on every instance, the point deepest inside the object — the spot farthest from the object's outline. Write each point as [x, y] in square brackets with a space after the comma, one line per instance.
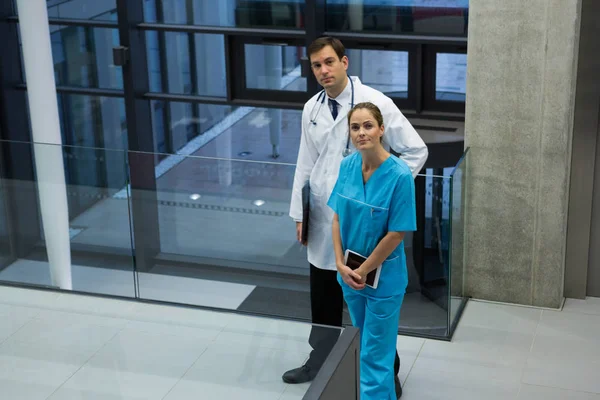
[398, 386]
[300, 375]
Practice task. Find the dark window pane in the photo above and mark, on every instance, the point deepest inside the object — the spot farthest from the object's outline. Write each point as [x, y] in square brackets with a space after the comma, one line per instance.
[386, 71]
[451, 77]
[83, 57]
[441, 17]
[241, 13]
[274, 67]
[100, 10]
[177, 63]
[93, 121]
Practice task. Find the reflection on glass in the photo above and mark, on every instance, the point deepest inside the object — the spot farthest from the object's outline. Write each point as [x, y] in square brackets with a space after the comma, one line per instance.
[244, 133]
[177, 63]
[92, 121]
[425, 307]
[99, 228]
[441, 17]
[451, 77]
[83, 57]
[458, 221]
[105, 10]
[241, 13]
[274, 67]
[386, 71]
[6, 256]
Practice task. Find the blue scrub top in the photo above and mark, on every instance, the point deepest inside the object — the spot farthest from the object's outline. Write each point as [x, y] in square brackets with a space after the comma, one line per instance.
[367, 212]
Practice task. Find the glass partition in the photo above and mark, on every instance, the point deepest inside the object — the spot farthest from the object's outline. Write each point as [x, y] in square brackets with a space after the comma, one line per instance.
[457, 246]
[218, 230]
[438, 17]
[99, 240]
[229, 13]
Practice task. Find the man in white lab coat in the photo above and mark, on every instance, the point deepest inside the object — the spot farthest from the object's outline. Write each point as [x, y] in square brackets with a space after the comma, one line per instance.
[323, 145]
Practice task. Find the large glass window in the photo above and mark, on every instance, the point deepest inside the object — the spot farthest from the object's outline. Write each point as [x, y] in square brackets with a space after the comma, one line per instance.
[440, 17]
[451, 77]
[104, 10]
[92, 121]
[83, 57]
[274, 67]
[177, 125]
[240, 13]
[386, 71]
[177, 63]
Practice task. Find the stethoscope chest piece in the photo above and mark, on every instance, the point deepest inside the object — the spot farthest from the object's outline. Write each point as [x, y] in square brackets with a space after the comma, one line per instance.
[346, 152]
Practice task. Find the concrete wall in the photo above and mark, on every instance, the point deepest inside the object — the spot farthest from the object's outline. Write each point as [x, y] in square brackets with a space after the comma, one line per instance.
[521, 79]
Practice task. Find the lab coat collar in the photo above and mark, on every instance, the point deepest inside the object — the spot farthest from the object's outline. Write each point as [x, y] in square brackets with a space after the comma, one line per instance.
[345, 98]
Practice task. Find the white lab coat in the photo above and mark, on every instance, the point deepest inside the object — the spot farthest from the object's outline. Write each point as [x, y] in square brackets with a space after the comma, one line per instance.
[320, 156]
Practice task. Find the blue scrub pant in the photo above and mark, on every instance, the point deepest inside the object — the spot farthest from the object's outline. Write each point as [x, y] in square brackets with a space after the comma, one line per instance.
[377, 318]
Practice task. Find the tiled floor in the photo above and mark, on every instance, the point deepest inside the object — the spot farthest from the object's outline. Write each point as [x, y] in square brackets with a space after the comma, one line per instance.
[63, 346]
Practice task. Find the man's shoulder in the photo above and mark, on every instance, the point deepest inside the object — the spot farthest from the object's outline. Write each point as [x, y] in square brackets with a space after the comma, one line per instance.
[374, 96]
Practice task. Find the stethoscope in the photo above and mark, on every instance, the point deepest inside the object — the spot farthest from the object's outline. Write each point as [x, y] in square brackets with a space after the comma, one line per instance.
[320, 101]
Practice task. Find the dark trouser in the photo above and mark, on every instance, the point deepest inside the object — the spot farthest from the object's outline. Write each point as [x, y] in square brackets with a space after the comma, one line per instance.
[327, 306]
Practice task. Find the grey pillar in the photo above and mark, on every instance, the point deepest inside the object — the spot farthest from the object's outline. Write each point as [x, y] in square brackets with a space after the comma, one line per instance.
[519, 123]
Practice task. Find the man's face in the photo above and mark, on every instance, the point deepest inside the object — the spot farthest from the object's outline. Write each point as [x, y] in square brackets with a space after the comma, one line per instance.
[329, 70]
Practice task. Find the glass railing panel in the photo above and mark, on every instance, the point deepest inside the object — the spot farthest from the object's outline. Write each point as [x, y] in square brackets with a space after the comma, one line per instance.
[99, 240]
[224, 231]
[226, 241]
[425, 307]
[459, 218]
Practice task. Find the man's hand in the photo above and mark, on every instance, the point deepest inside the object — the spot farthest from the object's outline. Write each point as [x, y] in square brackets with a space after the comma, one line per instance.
[350, 277]
[299, 233]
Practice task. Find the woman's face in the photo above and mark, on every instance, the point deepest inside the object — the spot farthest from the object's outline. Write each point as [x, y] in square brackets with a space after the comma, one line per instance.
[365, 132]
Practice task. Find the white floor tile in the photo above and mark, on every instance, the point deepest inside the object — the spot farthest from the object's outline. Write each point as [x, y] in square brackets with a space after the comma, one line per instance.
[500, 317]
[186, 390]
[120, 384]
[530, 392]
[481, 346]
[247, 367]
[181, 316]
[149, 353]
[192, 291]
[13, 318]
[295, 392]
[91, 305]
[590, 305]
[267, 332]
[409, 346]
[425, 384]
[45, 368]
[27, 297]
[76, 332]
[76, 394]
[21, 390]
[173, 331]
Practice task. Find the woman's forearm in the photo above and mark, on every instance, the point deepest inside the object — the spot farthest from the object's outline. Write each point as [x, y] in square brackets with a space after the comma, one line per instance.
[337, 240]
[383, 250]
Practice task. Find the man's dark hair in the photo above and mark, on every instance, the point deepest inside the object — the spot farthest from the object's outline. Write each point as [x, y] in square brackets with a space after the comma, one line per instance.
[318, 44]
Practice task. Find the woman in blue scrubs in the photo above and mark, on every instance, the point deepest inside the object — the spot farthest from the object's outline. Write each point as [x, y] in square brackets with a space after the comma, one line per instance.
[374, 205]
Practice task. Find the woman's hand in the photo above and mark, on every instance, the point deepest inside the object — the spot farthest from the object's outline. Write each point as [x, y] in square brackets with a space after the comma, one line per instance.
[350, 277]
